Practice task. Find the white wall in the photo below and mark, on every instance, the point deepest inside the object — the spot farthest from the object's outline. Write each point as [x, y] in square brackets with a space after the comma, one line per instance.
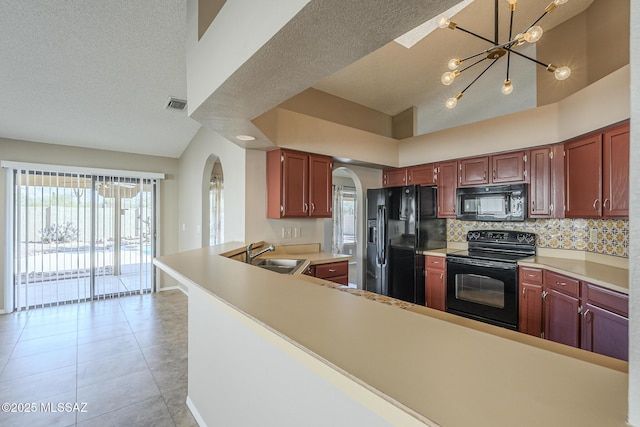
[191, 200]
[34, 152]
[634, 225]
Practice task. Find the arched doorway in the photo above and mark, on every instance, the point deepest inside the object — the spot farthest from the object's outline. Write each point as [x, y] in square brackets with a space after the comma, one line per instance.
[213, 202]
[347, 222]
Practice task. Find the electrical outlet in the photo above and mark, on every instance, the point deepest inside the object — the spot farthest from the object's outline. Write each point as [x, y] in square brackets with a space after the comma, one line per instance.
[286, 232]
[593, 235]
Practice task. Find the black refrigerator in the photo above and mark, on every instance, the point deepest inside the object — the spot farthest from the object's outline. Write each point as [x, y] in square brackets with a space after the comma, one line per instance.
[401, 222]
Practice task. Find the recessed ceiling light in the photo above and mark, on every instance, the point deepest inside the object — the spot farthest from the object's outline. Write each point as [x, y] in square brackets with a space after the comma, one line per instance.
[245, 137]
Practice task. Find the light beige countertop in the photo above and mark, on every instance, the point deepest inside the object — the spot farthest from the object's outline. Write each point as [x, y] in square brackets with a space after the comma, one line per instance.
[440, 252]
[417, 358]
[613, 278]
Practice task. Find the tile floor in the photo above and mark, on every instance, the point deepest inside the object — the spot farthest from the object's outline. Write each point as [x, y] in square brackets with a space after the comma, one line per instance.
[125, 358]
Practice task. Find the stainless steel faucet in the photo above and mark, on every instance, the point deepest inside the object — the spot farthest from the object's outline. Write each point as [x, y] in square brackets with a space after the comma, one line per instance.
[250, 256]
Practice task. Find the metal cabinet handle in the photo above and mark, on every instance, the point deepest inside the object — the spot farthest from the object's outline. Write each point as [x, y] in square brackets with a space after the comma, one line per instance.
[494, 174]
[595, 202]
[313, 207]
[524, 293]
[332, 270]
[561, 283]
[306, 207]
[604, 205]
[585, 314]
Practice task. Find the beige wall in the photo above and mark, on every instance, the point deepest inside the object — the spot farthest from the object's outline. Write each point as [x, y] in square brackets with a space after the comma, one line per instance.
[51, 154]
[603, 103]
[322, 105]
[594, 44]
[193, 199]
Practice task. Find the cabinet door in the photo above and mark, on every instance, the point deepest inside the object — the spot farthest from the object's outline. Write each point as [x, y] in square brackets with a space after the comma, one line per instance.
[530, 309]
[540, 186]
[436, 282]
[509, 167]
[605, 332]
[615, 171]
[583, 177]
[394, 177]
[447, 184]
[474, 171]
[561, 317]
[423, 175]
[295, 184]
[320, 190]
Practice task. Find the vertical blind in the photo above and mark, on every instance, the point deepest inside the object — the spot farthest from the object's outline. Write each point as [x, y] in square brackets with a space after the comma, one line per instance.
[81, 236]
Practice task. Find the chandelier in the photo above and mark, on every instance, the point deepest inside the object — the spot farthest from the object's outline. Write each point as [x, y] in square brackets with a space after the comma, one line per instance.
[531, 35]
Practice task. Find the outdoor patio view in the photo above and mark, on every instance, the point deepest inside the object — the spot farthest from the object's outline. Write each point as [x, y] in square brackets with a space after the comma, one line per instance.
[81, 237]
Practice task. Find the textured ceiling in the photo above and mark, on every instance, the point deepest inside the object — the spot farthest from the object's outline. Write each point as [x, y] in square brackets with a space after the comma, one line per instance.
[98, 73]
[324, 37]
[95, 74]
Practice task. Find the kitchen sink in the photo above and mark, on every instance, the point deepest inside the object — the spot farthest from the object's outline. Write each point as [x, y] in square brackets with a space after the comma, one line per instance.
[279, 265]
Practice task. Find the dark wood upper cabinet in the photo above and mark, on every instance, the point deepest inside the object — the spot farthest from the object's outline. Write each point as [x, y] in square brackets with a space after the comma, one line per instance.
[298, 184]
[540, 186]
[615, 172]
[447, 184]
[546, 187]
[509, 167]
[473, 171]
[320, 189]
[495, 169]
[423, 174]
[597, 175]
[395, 177]
[583, 177]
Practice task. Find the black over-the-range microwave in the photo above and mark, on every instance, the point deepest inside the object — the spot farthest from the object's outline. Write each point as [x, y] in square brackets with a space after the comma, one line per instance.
[492, 203]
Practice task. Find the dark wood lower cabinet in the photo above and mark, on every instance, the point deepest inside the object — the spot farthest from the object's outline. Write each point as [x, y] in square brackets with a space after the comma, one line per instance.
[561, 318]
[573, 312]
[605, 332]
[435, 282]
[337, 272]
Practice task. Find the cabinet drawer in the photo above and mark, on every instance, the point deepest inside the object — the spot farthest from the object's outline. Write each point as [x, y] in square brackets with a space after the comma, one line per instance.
[435, 262]
[341, 280]
[564, 284]
[531, 275]
[605, 298]
[334, 269]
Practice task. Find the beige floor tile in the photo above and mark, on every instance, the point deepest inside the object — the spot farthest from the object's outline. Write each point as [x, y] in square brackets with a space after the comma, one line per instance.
[39, 386]
[98, 371]
[42, 417]
[117, 393]
[171, 375]
[39, 363]
[107, 348]
[41, 345]
[176, 402]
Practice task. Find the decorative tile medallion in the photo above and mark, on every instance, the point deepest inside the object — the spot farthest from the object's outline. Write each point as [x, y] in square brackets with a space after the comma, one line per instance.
[612, 235]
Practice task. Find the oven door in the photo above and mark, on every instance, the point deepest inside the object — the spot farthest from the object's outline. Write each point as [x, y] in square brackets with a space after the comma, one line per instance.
[483, 290]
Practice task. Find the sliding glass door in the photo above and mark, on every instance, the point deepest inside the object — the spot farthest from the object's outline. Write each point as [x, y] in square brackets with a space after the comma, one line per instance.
[80, 237]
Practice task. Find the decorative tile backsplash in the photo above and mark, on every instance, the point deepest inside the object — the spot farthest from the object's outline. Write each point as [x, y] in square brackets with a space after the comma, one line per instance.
[611, 236]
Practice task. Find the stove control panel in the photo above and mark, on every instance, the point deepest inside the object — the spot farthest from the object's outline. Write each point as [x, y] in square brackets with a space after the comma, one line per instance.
[506, 236]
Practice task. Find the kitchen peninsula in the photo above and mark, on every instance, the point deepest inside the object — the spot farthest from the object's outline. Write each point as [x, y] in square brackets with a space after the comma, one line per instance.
[271, 349]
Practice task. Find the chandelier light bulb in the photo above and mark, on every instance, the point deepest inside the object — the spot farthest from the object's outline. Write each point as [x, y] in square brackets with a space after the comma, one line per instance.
[448, 77]
[453, 63]
[507, 87]
[562, 73]
[451, 103]
[533, 34]
[443, 22]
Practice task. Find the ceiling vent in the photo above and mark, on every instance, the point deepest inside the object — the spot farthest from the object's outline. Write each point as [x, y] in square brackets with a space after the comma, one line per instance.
[175, 104]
